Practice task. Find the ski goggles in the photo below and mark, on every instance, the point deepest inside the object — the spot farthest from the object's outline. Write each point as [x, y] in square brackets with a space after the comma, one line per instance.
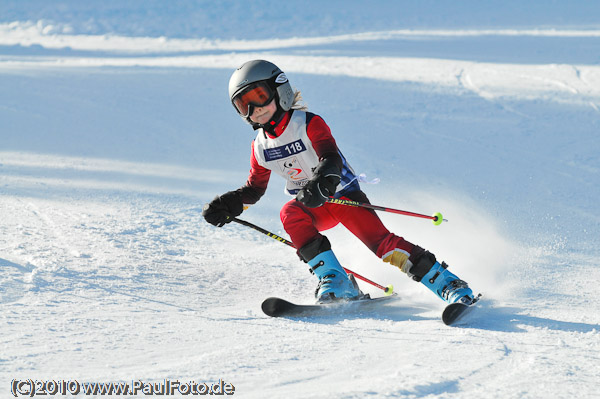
[257, 94]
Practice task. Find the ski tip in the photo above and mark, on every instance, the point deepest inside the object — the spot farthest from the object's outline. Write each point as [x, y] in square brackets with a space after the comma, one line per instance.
[271, 306]
[455, 311]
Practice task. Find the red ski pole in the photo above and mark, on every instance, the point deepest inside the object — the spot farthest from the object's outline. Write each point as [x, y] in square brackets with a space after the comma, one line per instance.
[436, 217]
[388, 290]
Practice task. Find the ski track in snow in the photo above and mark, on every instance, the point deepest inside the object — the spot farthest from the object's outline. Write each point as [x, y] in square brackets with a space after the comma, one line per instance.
[108, 271]
[490, 81]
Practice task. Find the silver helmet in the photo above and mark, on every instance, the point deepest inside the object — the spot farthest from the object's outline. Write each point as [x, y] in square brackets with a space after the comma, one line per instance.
[270, 80]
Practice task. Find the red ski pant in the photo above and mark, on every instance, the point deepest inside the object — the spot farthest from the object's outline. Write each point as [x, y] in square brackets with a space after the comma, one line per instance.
[304, 224]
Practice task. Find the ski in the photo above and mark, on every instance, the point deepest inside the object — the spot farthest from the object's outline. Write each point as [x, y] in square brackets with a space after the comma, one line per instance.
[456, 311]
[278, 307]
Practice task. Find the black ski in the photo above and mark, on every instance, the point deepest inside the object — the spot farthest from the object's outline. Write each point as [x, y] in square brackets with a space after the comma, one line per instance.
[456, 311]
[277, 307]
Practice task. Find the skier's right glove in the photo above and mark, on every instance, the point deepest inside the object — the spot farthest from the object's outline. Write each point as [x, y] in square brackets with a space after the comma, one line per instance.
[323, 184]
[224, 208]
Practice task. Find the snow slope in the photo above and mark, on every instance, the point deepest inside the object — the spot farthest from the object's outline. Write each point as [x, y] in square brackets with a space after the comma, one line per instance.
[116, 128]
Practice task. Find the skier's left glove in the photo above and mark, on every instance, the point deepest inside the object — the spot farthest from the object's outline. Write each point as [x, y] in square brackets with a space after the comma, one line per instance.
[323, 184]
[224, 208]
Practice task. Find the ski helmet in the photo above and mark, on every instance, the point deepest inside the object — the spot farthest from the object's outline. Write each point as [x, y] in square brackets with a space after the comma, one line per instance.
[257, 83]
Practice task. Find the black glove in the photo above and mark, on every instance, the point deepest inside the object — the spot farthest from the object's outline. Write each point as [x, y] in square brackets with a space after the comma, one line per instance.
[224, 208]
[322, 186]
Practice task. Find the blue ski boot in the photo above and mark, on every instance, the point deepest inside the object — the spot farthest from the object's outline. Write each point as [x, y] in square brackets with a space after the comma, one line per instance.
[334, 282]
[446, 285]
[435, 276]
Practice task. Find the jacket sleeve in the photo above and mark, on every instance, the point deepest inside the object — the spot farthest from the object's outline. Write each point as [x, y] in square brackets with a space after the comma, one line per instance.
[257, 182]
[323, 142]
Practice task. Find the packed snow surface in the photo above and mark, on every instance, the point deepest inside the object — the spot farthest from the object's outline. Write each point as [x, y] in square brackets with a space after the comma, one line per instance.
[116, 129]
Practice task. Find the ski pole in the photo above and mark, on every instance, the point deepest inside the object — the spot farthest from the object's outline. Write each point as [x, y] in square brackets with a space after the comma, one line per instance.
[265, 232]
[436, 217]
[388, 290]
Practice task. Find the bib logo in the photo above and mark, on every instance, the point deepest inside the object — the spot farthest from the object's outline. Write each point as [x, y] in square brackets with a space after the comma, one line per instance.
[292, 168]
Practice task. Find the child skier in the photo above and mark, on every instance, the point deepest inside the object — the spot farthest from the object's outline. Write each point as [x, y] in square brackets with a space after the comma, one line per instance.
[298, 145]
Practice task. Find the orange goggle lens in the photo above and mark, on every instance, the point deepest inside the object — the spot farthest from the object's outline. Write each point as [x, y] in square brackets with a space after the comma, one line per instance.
[258, 95]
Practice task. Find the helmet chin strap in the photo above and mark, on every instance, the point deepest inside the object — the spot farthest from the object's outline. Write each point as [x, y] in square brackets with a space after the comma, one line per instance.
[270, 125]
